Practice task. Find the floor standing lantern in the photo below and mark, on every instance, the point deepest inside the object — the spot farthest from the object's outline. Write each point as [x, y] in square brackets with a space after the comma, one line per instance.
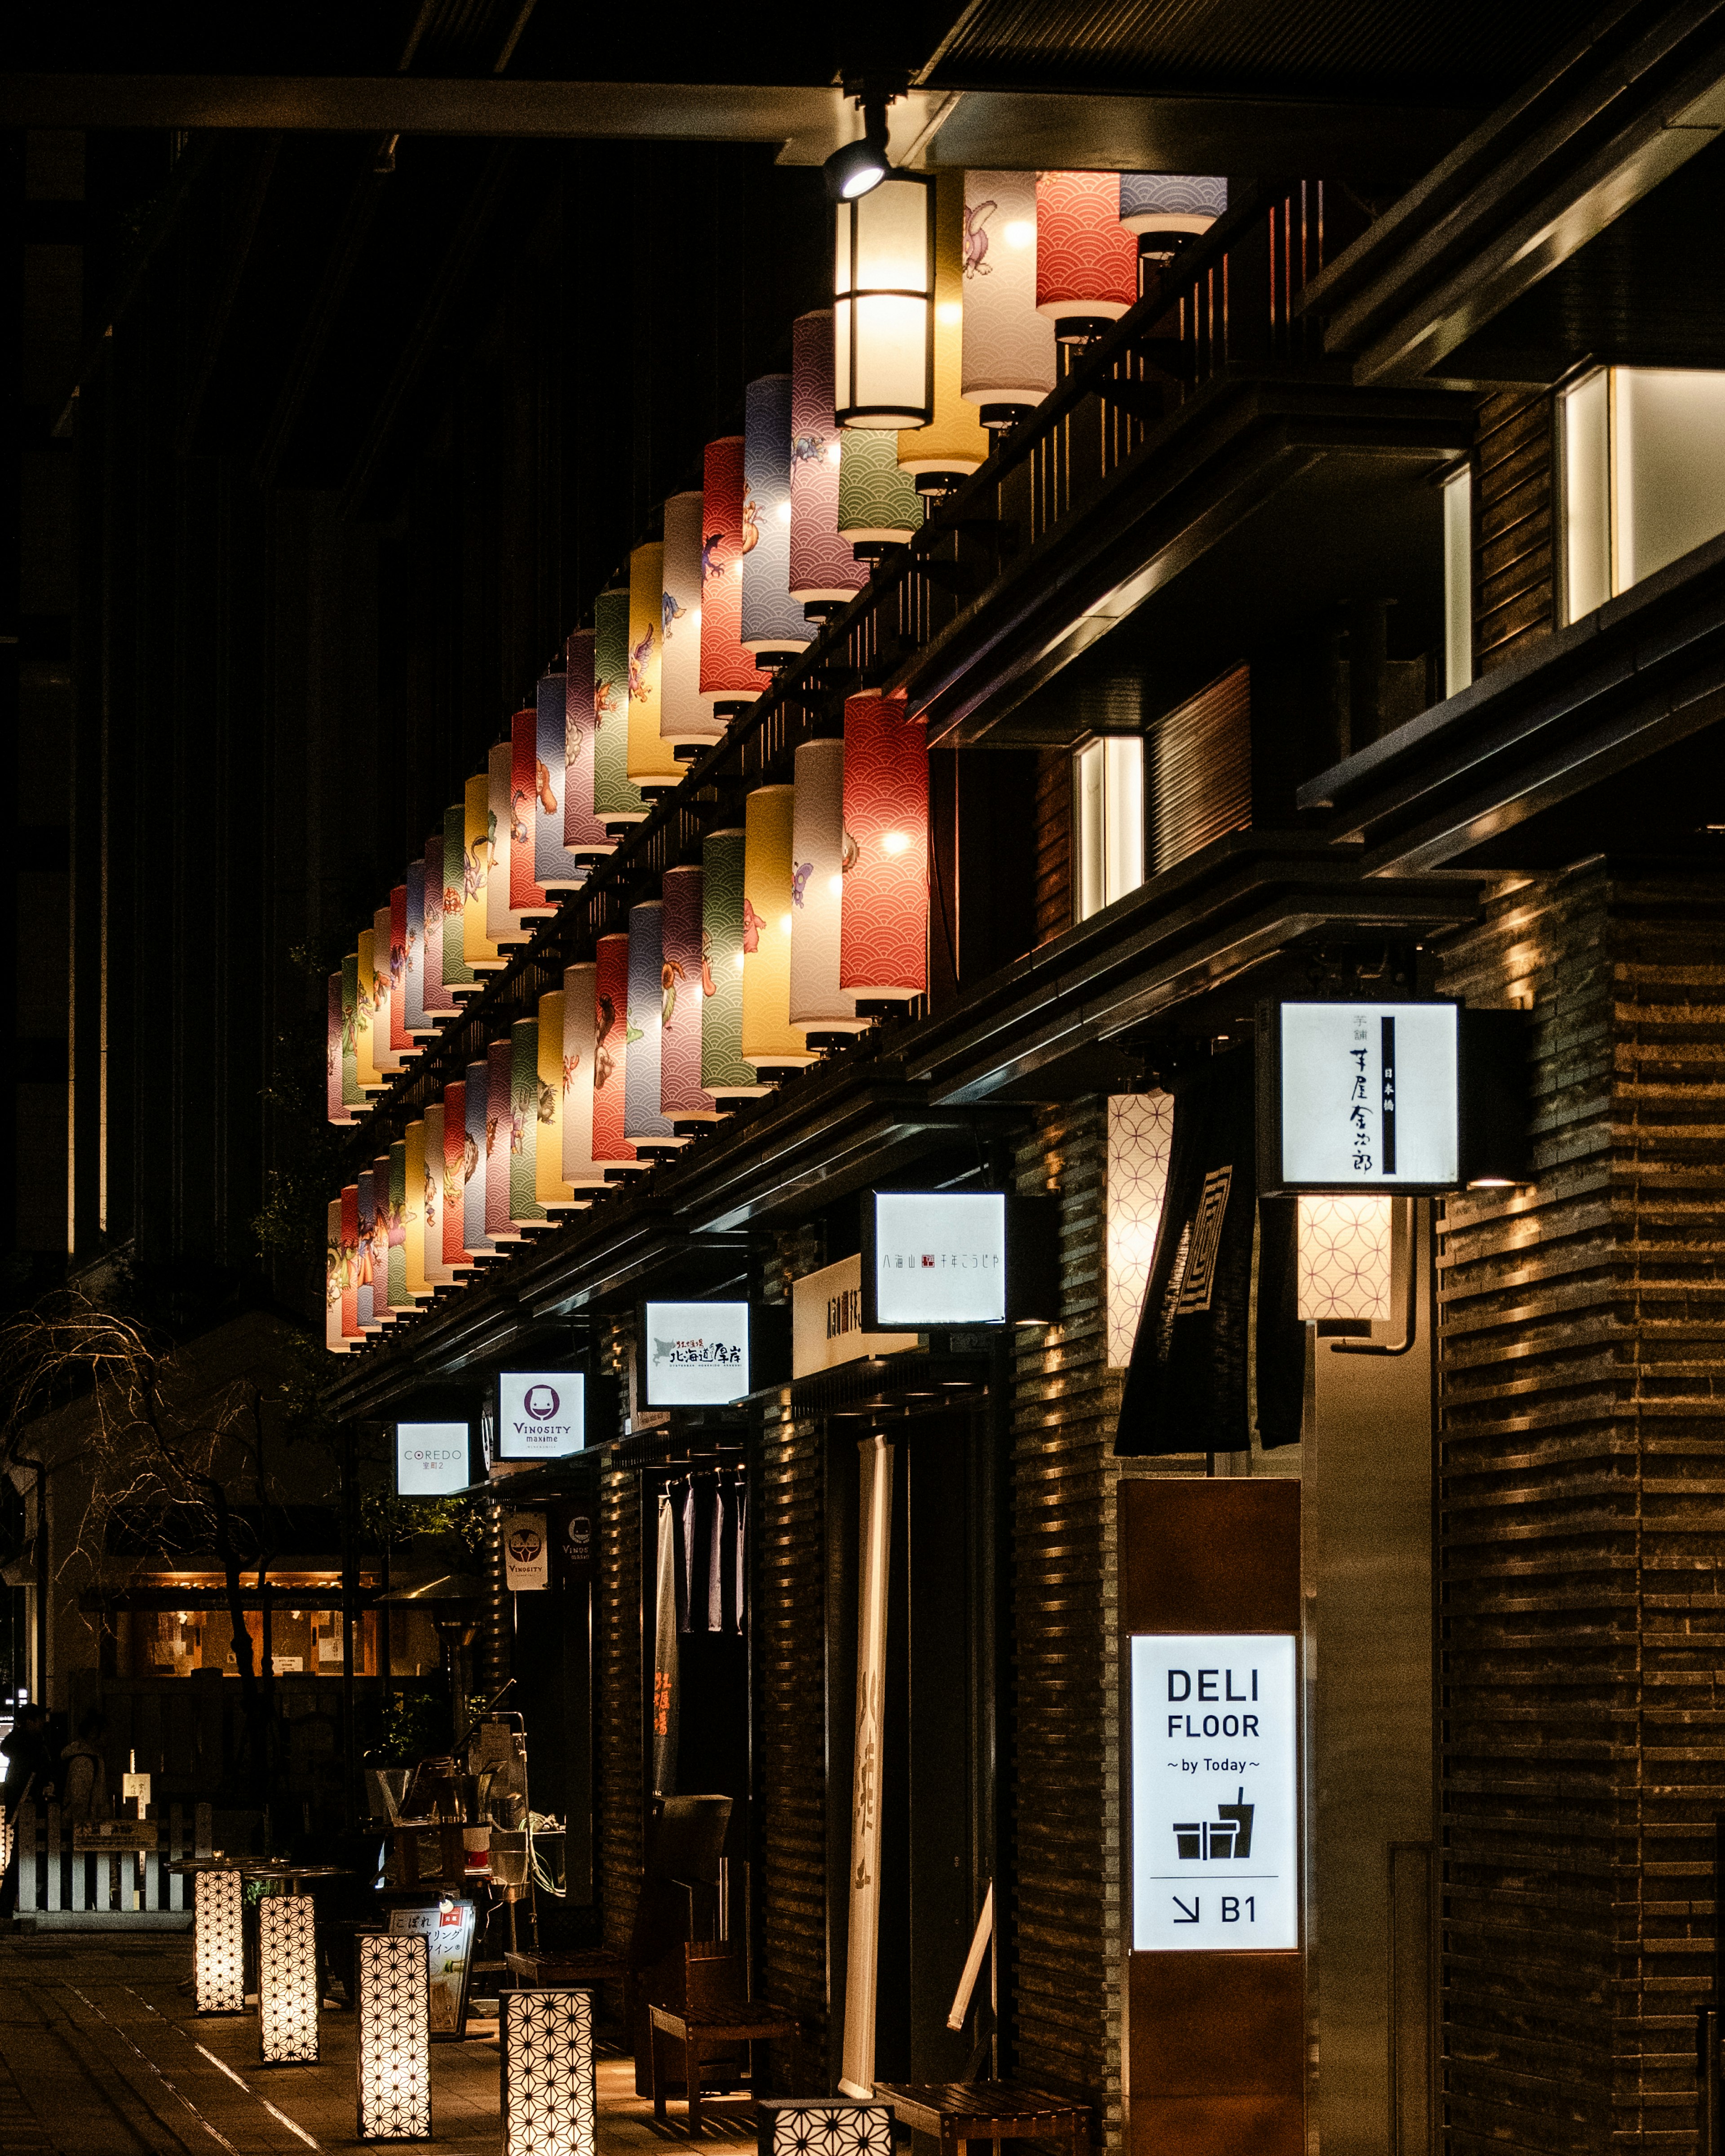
[287, 1981]
[549, 2097]
[218, 1942]
[883, 306]
[1010, 362]
[1086, 261]
[394, 2054]
[883, 938]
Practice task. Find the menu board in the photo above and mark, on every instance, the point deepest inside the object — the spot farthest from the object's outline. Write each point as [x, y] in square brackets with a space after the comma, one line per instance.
[448, 1930]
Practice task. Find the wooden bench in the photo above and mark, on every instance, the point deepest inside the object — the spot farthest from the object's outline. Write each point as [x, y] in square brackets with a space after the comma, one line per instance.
[711, 2028]
[959, 2111]
[570, 1969]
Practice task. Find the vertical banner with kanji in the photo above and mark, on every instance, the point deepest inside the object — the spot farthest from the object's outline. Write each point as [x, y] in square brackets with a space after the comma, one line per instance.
[874, 1521]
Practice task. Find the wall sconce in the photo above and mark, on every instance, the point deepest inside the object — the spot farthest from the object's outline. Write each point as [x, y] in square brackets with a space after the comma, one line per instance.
[287, 1981]
[394, 2052]
[883, 306]
[550, 2105]
[218, 1942]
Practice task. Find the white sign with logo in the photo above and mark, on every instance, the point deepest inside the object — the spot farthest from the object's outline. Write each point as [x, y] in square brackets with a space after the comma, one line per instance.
[826, 1321]
[526, 1552]
[430, 1459]
[1215, 1786]
[1370, 1097]
[542, 1415]
[940, 1257]
[697, 1354]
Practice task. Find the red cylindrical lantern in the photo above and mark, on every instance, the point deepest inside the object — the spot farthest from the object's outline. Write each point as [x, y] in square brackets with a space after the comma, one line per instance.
[610, 1056]
[500, 1081]
[883, 937]
[728, 673]
[526, 896]
[454, 1168]
[1086, 260]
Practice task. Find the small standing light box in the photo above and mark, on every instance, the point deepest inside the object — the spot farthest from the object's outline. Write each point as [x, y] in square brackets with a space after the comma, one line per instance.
[287, 1981]
[218, 1942]
[135, 1787]
[549, 2102]
[394, 2054]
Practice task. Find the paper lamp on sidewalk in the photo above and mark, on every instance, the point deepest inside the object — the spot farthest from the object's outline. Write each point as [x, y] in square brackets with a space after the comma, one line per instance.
[550, 2105]
[287, 1981]
[218, 1942]
[394, 2045]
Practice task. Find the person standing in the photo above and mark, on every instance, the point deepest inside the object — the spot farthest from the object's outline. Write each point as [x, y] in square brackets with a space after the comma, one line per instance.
[30, 1779]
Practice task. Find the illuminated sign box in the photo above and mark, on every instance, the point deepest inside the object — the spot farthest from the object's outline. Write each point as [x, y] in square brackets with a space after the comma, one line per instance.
[542, 1415]
[826, 1321]
[937, 1258]
[695, 1354]
[1215, 1791]
[432, 1459]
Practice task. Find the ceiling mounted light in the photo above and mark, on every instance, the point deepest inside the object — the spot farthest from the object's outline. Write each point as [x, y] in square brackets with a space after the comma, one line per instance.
[860, 166]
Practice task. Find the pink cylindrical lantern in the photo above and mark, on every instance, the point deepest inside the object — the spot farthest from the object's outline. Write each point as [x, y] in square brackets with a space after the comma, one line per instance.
[1086, 261]
[728, 673]
[824, 570]
[351, 1330]
[526, 899]
[883, 937]
[610, 1054]
[681, 1095]
[584, 832]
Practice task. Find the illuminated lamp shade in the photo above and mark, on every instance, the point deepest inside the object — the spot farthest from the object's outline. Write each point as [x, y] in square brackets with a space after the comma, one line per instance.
[1009, 363]
[1163, 209]
[504, 925]
[394, 1164]
[730, 679]
[653, 764]
[350, 1331]
[723, 1069]
[413, 1016]
[883, 306]
[475, 1178]
[353, 1094]
[774, 626]
[581, 1171]
[438, 1000]
[555, 868]
[456, 1256]
[823, 569]
[954, 442]
[1344, 1258]
[385, 1051]
[1140, 1128]
[526, 898]
[683, 975]
[879, 505]
[459, 978]
[287, 1981]
[549, 1186]
[642, 1116]
[371, 1078]
[478, 866]
[218, 1942]
[439, 1270]
[402, 938]
[500, 1144]
[550, 2101]
[584, 833]
[1086, 261]
[335, 1279]
[883, 946]
[768, 1037]
[817, 889]
[394, 2045]
[610, 1052]
[366, 1311]
[335, 1105]
[526, 1124]
[685, 719]
[414, 1213]
[617, 801]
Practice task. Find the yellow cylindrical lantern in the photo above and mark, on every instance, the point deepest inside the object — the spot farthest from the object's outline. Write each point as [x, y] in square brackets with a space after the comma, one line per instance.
[385, 1052]
[503, 924]
[478, 858]
[549, 1187]
[768, 1036]
[365, 1062]
[685, 718]
[413, 1211]
[651, 761]
[816, 892]
[955, 442]
[581, 1170]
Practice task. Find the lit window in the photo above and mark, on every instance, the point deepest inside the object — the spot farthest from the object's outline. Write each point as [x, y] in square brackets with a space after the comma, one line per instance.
[1108, 814]
[1642, 475]
[1458, 581]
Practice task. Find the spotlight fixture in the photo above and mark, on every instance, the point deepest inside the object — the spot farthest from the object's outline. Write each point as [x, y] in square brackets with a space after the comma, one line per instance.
[860, 166]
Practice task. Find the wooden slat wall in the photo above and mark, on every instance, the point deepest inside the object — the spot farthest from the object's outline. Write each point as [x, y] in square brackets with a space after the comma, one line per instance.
[1582, 1359]
[1514, 591]
[619, 1703]
[1197, 775]
[789, 1705]
[1054, 843]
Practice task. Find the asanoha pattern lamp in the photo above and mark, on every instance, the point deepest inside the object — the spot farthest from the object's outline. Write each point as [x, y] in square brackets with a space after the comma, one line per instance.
[883, 306]
[1344, 1257]
[527, 900]
[1140, 1128]
[526, 1124]
[1010, 362]
[879, 505]
[723, 1069]
[730, 679]
[394, 2045]
[287, 1981]
[953, 442]
[1086, 261]
[555, 868]
[816, 892]
[768, 1037]
[610, 1052]
[478, 866]
[685, 719]
[616, 801]
[584, 833]
[652, 760]
[218, 1942]
[682, 975]
[504, 925]
[823, 572]
[642, 1116]
[883, 949]
[500, 1088]
[550, 2105]
[582, 1169]
[774, 628]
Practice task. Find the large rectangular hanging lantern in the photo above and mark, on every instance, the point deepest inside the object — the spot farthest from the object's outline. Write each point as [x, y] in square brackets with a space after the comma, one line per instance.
[1010, 362]
[527, 900]
[685, 719]
[610, 1052]
[617, 801]
[723, 1070]
[883, 305]
[479, 866]
[683, 971]
[642, 1115]
[952, 444]
[504, 924]
[652, 762]
[218, 1942]
[394, 2047]
[525, 1125]
[768, 1037]
[774, 628]
[883, 946]
[730, 679]
[550, 2104]
[287, 1981]
[555, 868]
[823, 572]
[550, 1186]
[584, 833]
[816, 892]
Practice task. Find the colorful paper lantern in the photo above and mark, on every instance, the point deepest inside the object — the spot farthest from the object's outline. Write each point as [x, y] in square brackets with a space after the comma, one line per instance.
[459, 978]
[394, 1165]
[774, 627]
[550, 1187]
[439, 1270]
[500, 1144]
[476, 1159]
[386, 1049]
[730, 679]
[953, 442]
[1010, 362]
[555, 868]
[527, 900]
[816, 892]
[682, 1095]
[287, 1981]
[394, 2038]
[610, 1052]
[351, 1331]
[218, 1942]
[1161, 209]
[582, 1170]
[883, 948]
[414, 1211]
[642, 1116]
[584, 833]
[402, 1042]
[652, 760]
[550, 2100]
[416, 1016]
[335, 1106]
[823, 571]
[371, 1078]
[367, 1313]
[617, 801]
[479, 865]
[685, 719]
[504, 925]
[1086, 261]
[883, 306]
[879, 505]
[768, 1037]
[525, 1126]
[434, 998]
[457, 1256]
[353, 1094]
[723, 1069]
[334, 1278]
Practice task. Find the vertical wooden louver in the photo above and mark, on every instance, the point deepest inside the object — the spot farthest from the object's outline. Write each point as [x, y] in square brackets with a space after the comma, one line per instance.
[620, 1703]
[1515, 596]
[1197, 778]
[1054, 843]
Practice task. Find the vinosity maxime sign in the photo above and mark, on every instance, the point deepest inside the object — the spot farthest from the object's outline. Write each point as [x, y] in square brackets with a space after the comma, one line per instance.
[542, 1415]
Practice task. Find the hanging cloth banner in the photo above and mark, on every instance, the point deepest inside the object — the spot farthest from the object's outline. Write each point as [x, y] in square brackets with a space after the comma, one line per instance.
[664, 1657]
[711, 1524]
[1187, 1387]
[862, 1969]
